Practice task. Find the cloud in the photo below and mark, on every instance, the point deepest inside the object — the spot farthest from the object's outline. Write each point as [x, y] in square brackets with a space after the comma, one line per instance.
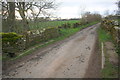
[68, 12]
[70, 8]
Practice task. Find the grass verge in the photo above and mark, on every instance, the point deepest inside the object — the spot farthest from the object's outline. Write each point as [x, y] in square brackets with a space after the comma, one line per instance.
[64, 34]
[109, 70]
[103, 35]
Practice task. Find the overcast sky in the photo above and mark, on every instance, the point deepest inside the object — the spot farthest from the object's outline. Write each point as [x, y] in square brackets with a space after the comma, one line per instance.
[71, 8]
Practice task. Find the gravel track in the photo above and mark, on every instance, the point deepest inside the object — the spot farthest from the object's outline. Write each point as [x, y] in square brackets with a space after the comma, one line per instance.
[69, 59]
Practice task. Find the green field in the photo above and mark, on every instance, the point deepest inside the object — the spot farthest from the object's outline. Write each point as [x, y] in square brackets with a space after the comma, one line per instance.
[38, 25]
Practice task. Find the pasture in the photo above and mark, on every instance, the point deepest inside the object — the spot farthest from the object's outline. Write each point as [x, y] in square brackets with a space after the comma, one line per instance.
[38, 25]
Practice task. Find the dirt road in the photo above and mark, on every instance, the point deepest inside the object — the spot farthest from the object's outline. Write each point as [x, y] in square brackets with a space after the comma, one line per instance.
[70, 59]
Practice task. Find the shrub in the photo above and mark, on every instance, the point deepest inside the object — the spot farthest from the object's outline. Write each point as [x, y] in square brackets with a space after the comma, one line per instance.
[66, 25]
[14, 43]
[10, 43]
[50, 32]
[110, 26]
[83, 21]
[37, 36]
[10, 37]
[75, 25]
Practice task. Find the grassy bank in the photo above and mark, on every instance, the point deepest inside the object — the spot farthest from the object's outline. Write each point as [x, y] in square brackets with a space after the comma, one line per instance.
[109, 70]
[103, 35]
[64, 34]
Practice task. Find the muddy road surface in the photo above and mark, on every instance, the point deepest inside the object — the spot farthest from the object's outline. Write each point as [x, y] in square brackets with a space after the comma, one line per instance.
[75, 57]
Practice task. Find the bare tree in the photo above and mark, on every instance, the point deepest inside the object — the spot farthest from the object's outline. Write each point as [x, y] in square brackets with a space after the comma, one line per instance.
[90, 17]
[8, 14]
[82, 10]
[118, 5]
[41, 7]
[22, 9]
[11, 17]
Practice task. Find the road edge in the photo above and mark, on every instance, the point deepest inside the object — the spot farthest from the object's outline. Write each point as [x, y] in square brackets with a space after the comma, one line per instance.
[94, 65]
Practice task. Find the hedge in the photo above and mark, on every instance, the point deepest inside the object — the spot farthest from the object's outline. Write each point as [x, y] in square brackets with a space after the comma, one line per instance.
[112, 28]
[37, 36]
[10, 43]
[13, 43]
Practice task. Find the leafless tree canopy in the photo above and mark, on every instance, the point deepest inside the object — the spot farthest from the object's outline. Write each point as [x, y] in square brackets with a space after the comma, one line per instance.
[26, 10]
[90, 17]
[42, 7]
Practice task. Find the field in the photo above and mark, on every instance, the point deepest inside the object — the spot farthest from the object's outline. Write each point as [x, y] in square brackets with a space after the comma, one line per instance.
[39, 25]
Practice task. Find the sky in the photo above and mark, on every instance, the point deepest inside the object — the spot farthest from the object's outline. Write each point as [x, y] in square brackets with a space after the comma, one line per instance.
[73, 8]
